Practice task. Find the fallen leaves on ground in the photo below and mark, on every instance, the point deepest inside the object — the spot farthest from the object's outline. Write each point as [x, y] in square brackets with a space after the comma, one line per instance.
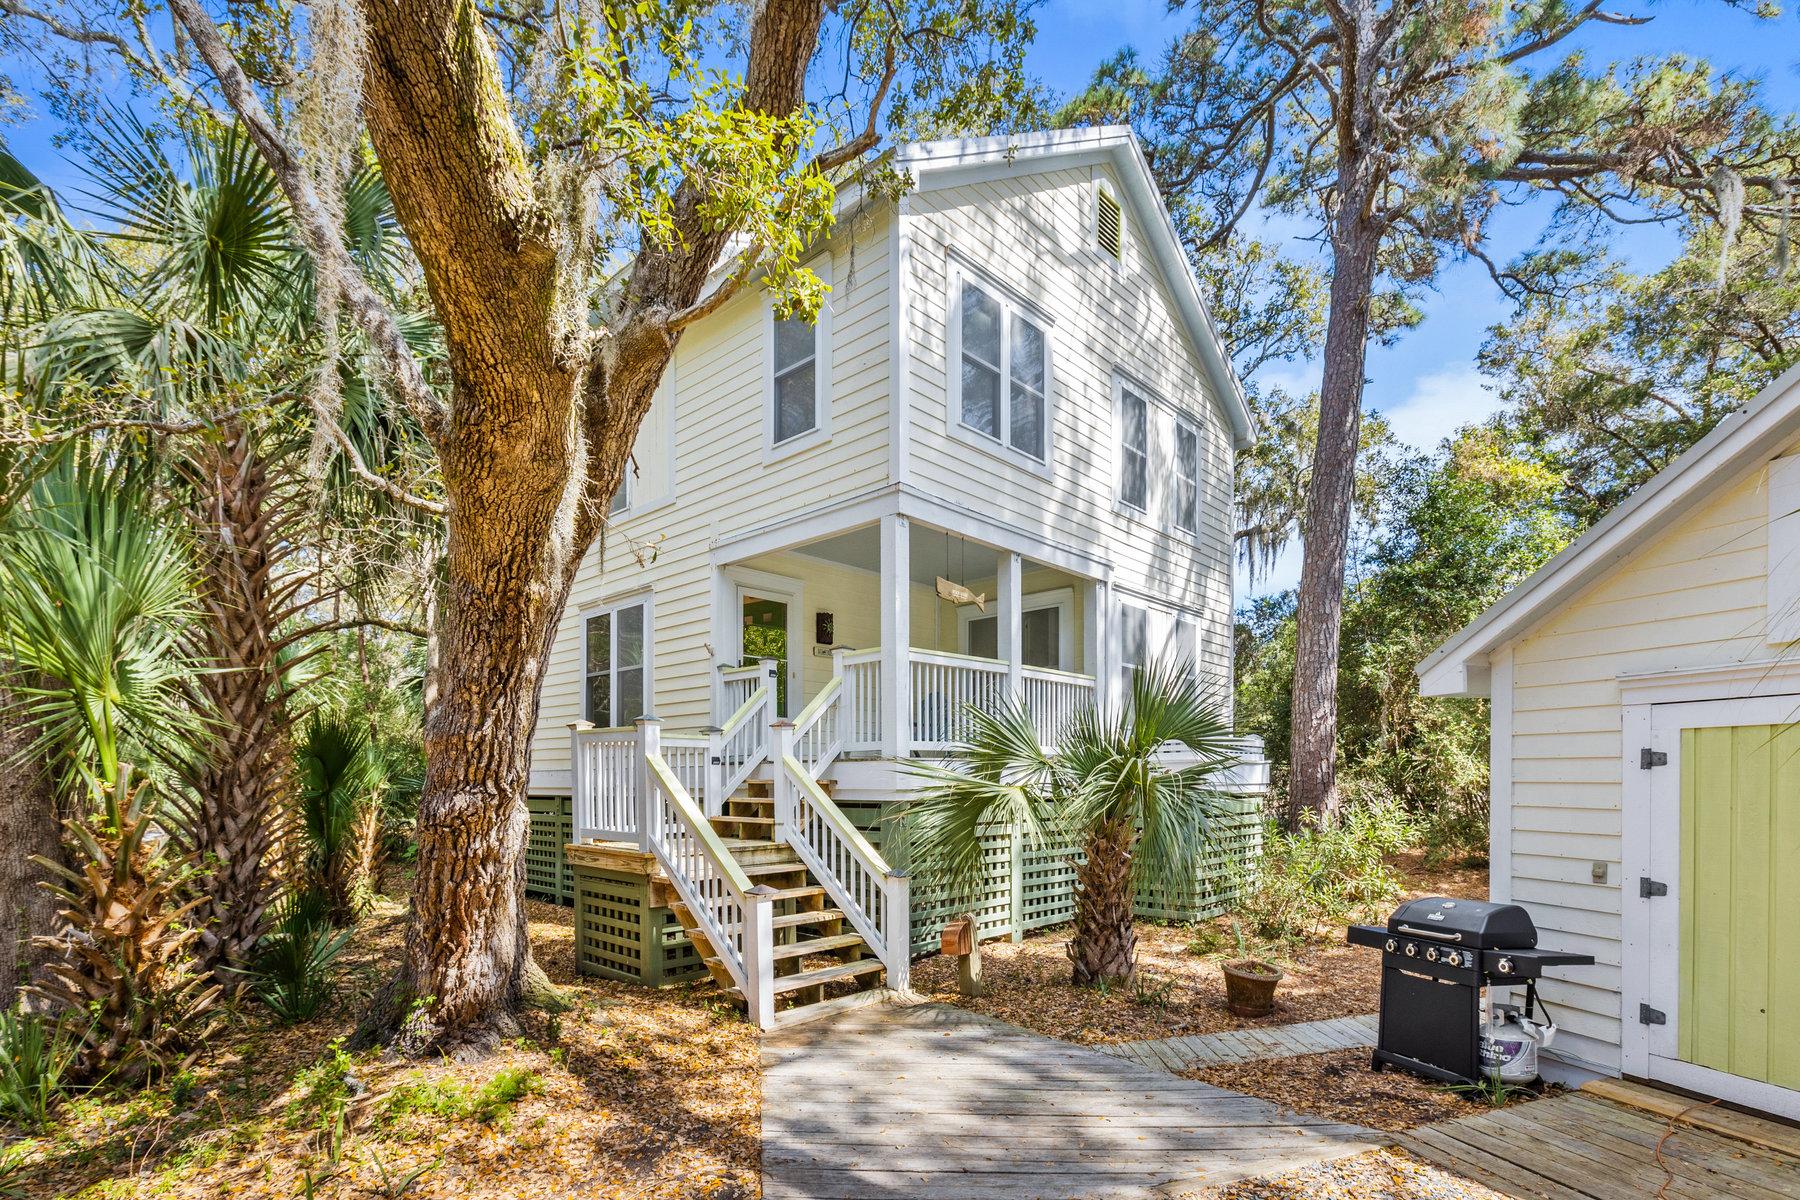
[1340, 1086]
[1181, 990]
[1375, 1175]
[633, 1093]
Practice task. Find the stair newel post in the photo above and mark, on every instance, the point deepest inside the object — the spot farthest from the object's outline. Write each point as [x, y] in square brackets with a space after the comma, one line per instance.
[715, 770]
[771, 682]
[581, 782]
[759, 955]
[896, 929]
[649, 737]
[781, 746]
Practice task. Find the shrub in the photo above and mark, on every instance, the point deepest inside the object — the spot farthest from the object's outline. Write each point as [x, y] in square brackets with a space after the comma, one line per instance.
[126, 969]
[1326, 875]
[450, 1100]
[36, 1057]
[322, 1096]
[292, 971]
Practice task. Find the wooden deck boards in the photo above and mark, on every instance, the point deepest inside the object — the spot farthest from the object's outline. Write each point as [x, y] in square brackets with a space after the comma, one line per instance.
[1243, 1045]
[1583, 1147]
[925, 1101]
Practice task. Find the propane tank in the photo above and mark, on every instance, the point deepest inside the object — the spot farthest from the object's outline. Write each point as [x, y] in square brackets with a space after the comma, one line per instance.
[1510, 1045]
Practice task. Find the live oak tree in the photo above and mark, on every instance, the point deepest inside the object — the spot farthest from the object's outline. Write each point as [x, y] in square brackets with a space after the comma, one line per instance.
[579, 185]
[1401, 127]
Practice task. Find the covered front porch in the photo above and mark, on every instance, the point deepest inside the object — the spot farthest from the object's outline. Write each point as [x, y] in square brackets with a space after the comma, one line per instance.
[915, 625]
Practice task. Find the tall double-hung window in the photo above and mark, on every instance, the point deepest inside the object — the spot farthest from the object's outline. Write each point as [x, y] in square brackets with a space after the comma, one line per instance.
[617, 661]
[796, 378]
[1187, 476]
[1001, 381]
[1134, 450]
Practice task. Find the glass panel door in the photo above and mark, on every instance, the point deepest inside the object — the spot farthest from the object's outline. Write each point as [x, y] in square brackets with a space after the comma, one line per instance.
[766, 636]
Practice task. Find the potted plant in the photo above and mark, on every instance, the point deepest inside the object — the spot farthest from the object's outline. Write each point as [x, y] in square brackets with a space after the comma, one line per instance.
[1249, 982]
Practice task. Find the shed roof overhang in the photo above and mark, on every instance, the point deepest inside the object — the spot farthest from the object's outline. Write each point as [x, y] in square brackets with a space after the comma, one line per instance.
[1739, 445]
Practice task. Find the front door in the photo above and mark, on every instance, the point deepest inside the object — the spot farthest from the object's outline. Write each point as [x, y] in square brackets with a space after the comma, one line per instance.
[1724, 939]
[766, 620]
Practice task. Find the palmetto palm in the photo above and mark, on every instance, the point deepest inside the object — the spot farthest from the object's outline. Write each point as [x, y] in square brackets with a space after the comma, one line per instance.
[1133, 786]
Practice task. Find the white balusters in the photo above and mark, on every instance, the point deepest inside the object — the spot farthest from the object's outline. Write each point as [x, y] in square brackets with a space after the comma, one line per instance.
[605, 782]
[1054, 698]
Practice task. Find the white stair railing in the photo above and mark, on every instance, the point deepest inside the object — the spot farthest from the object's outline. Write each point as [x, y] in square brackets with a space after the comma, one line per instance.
[873, 897]
[735, 918]
[740, 744]
[861, 673]
[604, 785]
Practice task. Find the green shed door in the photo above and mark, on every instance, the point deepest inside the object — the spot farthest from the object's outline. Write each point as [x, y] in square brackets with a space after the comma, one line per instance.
[1739, 930]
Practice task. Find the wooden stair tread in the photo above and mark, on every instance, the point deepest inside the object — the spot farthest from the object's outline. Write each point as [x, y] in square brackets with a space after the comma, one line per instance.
[849, 970]
[798, 893]
[789, 920]
[786, 866]
[822, 945]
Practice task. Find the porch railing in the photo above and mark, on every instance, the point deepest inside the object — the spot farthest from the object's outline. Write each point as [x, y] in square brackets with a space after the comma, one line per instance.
[861, 673]
[1054, 698]
[944, 687]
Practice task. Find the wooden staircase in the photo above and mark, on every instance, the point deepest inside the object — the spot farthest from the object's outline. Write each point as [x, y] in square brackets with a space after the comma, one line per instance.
[818, 956]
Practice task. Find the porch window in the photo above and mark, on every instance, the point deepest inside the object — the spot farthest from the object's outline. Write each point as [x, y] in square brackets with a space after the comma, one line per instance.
[617, 652]
[1040, 637]
[1134, 450]
[1134, 639]
[796, 378]
[1002, 383]
[1187, 477]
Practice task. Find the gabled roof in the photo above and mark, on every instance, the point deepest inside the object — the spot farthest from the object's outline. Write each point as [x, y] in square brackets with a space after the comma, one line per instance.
[965, 160]
[1740, 444]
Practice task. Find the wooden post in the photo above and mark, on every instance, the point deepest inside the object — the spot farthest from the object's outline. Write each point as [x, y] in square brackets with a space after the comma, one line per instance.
[962, 940]
[581, 783]
[896, 638]
[781, 744]
[1016, 894]
[771, 678]
[896, 924]
[759, 956]
[715, 770]
[649, 737]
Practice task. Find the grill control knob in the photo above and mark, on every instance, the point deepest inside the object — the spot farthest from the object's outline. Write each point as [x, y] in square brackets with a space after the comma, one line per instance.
[1412, 950]
[1392, 945]
[1504, 966]
[1453, 958]
[1431, 954]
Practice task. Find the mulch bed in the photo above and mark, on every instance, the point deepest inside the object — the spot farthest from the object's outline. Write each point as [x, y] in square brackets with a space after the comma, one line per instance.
[1181, 992]
[1339, 1086]
[1376, 1175]
[633, 1093]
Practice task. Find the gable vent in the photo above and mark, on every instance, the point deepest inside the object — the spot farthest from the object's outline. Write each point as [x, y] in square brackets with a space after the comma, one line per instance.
[1108, 226]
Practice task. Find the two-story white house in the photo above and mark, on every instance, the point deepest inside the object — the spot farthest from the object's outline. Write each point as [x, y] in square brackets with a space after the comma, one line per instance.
[999, 463]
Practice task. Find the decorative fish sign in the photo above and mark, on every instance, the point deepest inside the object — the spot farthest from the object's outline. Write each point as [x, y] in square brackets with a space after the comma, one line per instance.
[956, 593]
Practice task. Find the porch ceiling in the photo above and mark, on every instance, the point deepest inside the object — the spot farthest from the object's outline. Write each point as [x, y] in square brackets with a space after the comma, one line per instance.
[934, 553]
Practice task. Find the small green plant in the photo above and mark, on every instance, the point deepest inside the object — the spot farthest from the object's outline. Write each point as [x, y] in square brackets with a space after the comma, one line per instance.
[1152, 993]
[1491, 1091]
[37, 1058]
[292, 972]
[1207, 939]
[450, 1100]
[323, 1093]
[392, 1185]
[182, 1088]
[12, 1174]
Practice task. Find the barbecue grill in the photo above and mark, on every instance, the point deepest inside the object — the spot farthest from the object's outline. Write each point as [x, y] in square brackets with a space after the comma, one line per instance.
[1439, 957]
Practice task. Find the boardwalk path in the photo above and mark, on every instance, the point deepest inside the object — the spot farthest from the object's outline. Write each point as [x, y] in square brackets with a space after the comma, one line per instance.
[1277, 1041]
[928, 1101]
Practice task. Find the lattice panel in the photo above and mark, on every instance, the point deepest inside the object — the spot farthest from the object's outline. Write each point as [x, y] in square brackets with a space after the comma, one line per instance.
[548, 874]
[619, 934]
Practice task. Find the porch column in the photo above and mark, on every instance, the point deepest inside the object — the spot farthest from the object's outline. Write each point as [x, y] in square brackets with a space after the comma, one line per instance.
[896, 637]
[1008, 594]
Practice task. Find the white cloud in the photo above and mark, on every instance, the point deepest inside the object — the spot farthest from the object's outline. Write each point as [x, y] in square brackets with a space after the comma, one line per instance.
[1440, 403]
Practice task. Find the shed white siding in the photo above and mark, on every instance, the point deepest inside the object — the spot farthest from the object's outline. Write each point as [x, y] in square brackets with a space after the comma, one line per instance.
[1032, 235]
[1696, 596]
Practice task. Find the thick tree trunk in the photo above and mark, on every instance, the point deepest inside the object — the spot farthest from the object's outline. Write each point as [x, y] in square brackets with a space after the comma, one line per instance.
[241, 520]
[1104, 947]
[1312, 784]
[28, 826]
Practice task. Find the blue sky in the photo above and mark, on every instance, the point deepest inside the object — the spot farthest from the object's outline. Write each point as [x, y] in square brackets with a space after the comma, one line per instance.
[1426, 384]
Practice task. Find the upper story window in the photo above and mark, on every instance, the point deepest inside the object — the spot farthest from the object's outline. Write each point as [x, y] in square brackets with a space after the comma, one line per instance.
[1187, 477]
[1134, 638]
[616, 685]
[621, 501]
[796, 378]
[1000, 379]
[1134, 450]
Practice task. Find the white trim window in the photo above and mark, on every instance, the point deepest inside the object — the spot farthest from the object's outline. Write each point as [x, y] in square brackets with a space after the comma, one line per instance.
[1046, 630]
[616, 663]
[1187, 476]
[1134, 450]
[1000, 372]
[797, 378]
[621, 501]
[1134, 639]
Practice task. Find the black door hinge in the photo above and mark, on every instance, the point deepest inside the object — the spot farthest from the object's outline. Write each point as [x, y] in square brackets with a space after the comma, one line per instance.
[1651, 1016]
[1648, 887]
[1648, 758]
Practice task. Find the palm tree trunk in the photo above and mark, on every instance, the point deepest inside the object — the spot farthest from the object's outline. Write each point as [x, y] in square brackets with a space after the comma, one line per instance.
[242, 787]
[1104, 948]
[28, 826]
